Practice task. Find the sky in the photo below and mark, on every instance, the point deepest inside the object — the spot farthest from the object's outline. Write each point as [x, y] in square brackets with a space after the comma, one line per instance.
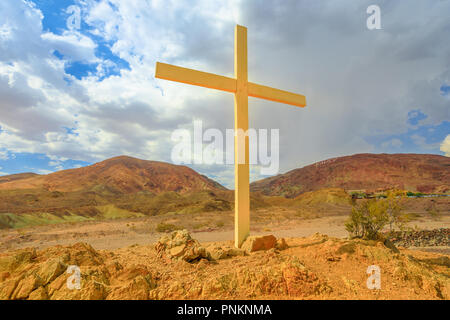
[72, 94]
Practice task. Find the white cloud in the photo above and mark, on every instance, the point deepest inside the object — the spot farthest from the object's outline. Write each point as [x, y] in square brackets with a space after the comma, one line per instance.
[56, 164]
[3, 173]
[357, 82]
[4, 155]
[445, 146]
[44, 171]
[392, 143]
[422, 142]
[73, 45]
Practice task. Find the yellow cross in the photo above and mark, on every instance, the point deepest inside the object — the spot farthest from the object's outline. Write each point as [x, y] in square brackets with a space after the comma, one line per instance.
[242, 89]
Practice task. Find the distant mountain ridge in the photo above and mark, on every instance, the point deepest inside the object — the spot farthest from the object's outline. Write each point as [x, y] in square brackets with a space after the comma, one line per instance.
[125, 187]
[370, 172]
[126, 175]
[17, 176]
[120, 187]
[121, 174]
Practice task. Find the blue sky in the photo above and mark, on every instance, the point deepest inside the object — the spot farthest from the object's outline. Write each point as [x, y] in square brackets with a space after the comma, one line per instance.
[37, 163]
[72, 97]
[55, 21]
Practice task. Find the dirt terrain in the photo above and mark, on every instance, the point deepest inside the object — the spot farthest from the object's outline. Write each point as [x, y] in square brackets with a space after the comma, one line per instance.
[206, 227]
[118, 260]
[315, 267]
[114, 221]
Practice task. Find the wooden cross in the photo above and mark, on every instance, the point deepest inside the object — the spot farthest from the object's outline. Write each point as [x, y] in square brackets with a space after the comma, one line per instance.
[242, 89]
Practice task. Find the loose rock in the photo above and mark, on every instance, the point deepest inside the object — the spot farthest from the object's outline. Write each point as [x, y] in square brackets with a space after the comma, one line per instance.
[181, 246]
[256, 243]
[224, 252]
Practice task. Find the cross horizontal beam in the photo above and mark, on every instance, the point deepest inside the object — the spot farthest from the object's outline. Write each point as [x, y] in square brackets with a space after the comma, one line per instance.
[194, 77]
[214, 81]
[277, 95]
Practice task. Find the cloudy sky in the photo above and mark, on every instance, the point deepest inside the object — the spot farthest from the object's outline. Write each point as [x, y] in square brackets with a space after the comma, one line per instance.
[73, 96]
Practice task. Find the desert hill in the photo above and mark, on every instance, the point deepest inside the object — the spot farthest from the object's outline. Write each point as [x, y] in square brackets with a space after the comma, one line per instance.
[125, 187]
[120, 187]
[413, 172]
[17, 176]
[120, 174]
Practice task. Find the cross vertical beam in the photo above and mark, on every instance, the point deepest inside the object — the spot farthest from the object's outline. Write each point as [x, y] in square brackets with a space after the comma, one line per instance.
[241, 139]
[242, 89]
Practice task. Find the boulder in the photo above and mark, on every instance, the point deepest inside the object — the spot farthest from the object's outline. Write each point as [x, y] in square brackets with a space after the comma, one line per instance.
[50, 270]
[224, 252]
[7, 288]
[83, 254]
[25, 287]
[177, 251]
[257, 243]
[181, 246]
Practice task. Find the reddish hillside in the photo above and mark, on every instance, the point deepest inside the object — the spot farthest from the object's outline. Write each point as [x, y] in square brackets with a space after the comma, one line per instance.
[121, 174]
[412, 172]
[17, 176]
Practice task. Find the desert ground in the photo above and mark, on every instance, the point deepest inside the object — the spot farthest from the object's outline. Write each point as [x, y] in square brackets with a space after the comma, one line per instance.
[123, 259]
[205, 227]
[314, 267]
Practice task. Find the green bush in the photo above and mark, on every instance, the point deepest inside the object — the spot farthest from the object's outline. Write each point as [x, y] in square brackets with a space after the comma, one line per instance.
[220, 224]
[371, 216]
[367, 219]
[394, 209]
[358, 195]
[415, 194]
[167, 227]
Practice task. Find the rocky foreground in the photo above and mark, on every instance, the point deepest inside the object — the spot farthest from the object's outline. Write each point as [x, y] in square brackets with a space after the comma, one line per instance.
[179, 267]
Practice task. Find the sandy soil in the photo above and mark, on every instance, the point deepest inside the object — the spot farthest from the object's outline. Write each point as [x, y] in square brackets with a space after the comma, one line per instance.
[115, 234]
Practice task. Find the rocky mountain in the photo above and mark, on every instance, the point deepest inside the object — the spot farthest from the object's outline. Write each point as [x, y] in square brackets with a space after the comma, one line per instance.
[121, 187]
[125, 187]
[120, 174]
[369, 172]
[17, 176]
